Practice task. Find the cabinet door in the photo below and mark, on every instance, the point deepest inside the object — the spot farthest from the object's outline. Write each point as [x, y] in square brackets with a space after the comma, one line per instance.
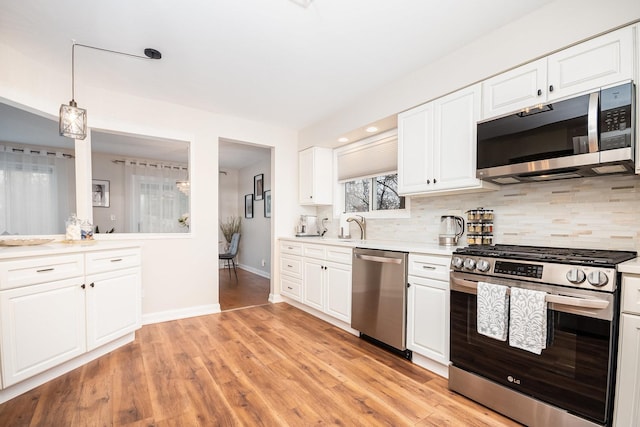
[454, 152]
[291, 287]
[113, 306]
[627, 405]
[42, 326]
[338, 284]
[514, 90]
[598, 62]
[315, 176]
[415, 145]
[428, 318]
[313, 283]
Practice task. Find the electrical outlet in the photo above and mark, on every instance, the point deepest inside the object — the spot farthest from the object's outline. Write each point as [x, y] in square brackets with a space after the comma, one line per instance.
[262, 263]
[113, 217]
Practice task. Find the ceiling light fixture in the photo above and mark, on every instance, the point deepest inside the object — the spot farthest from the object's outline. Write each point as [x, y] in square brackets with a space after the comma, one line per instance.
[371, 129]
[343, 139]
[73, 120]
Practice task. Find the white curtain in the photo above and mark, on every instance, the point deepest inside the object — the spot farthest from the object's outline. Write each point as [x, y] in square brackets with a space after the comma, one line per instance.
[37, 191]
[154, 202]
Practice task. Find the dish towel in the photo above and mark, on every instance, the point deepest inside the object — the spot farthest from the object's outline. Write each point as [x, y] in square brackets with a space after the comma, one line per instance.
[528, 320]
[493, 310]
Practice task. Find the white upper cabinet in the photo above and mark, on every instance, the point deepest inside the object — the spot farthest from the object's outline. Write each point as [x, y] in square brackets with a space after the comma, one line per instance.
[315, 167]
[637, 79]
[437, 145]
[598, 62]
[514, 90]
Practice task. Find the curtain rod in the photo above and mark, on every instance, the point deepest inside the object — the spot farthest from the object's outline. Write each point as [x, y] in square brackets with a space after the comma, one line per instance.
[153, 164]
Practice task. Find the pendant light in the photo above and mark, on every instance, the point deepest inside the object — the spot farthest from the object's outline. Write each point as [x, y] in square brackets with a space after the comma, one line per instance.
[73, 120]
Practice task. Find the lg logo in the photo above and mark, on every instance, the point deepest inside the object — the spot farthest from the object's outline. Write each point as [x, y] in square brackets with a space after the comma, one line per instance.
[513, 380]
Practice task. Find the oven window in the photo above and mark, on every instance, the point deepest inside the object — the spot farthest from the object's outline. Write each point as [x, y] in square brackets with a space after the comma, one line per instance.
[571, 373]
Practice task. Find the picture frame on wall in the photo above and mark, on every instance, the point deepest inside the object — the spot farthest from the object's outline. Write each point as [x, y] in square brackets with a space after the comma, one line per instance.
[258, 186]
[248, 206]
[100, 193]
[267, 204]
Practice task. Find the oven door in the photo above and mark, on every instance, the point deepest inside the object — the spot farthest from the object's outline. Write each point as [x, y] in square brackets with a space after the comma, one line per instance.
[575, 371]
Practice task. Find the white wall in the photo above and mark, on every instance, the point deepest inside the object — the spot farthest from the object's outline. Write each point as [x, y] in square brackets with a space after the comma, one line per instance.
[178, 273]
[256, 232]
[552, 27]
[104, 169]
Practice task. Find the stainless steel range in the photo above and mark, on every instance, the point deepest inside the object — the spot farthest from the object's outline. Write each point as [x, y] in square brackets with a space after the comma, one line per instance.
[571, 382]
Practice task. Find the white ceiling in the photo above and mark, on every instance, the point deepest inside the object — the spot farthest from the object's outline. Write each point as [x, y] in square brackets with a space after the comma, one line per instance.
[236, 155]
[266, 60]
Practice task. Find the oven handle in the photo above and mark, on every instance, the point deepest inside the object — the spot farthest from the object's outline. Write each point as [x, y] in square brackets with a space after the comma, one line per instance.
[556, 299]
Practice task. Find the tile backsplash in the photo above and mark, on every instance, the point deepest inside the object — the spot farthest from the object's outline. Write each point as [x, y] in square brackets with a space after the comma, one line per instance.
[597, 213]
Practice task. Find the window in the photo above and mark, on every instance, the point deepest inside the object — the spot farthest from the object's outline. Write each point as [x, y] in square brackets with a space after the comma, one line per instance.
[358, 196]
[367, 178]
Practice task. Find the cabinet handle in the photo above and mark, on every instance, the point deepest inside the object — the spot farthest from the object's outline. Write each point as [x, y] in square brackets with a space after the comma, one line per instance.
[290, 266]
[428, 181]
[289, 287]
[83, 286]
[428, 267]
[550, 88]
[93, 285]
[289, 247]
[408, 285]
[435, 180]
[539, 92]
[44, 270]
[116, 260]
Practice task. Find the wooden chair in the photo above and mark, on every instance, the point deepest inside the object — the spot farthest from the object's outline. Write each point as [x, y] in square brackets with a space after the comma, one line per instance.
[230, 256]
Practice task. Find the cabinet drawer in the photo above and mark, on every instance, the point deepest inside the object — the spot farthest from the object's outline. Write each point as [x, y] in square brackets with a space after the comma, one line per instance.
[293, 248]
[429, 266]
[291, 265]
[339, 254]
[98, 262]
[31, 271]
[291, 287]
[631, 294]
[315, 251]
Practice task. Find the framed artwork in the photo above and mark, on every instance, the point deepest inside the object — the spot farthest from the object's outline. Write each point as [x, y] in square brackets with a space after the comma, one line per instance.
[258, 185]
[267, 204]
[100, 193]
[248, 206]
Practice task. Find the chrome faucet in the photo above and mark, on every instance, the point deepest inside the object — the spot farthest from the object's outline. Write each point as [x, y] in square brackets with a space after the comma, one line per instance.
[361, 223]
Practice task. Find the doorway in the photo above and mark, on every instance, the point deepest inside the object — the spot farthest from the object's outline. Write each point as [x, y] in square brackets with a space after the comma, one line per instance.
[244, 195]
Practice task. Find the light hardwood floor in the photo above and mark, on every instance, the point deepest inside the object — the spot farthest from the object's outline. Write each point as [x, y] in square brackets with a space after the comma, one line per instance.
[247, 290]
[270, 365]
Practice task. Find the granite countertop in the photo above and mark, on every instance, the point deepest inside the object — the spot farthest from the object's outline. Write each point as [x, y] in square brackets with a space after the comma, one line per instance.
[391, 245]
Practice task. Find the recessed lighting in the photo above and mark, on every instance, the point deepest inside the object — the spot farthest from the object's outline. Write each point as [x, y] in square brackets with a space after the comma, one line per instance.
[343, 139]
[371, 129]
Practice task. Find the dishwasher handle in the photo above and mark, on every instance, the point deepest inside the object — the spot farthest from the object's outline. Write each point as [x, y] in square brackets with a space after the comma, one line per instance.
[379, 259]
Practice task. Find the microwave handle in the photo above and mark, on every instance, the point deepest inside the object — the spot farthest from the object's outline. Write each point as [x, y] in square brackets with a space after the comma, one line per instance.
[592, 124]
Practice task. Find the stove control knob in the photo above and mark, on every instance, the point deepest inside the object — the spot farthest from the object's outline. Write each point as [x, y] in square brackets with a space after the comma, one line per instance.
[575, 276]
[483, 265]
[469, 264]
[456, 262]
[597, 278]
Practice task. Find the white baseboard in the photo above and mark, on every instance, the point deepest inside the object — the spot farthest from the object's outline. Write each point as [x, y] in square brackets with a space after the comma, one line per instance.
[253, 270]
[430, 365]
[275, 298]
[183, 313]
[329, 319]
[37, 380]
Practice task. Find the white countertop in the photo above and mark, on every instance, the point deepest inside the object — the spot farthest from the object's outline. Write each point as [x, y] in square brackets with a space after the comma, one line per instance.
[59, 248]
[632, 266]
[416, 247]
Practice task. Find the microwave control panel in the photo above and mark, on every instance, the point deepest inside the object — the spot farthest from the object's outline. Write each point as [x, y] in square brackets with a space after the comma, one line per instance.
[616, 117]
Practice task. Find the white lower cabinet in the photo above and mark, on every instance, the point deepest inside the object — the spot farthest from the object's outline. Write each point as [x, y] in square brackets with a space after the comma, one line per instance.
[627, 401]
[428, 309]
[319, 278]
[42, 326]
[46, 321]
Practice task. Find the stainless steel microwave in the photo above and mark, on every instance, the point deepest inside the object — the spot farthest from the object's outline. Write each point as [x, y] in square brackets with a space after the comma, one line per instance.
[587, 135]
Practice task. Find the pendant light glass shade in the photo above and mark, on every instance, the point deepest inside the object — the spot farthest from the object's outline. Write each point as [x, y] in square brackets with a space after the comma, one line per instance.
[184, 187]
[73, 121]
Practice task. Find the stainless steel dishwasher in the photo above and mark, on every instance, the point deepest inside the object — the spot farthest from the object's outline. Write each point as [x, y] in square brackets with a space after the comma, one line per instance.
[379, 297]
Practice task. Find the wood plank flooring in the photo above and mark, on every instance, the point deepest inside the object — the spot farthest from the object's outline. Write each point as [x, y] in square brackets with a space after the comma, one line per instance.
[269, 365]
[249, 289]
